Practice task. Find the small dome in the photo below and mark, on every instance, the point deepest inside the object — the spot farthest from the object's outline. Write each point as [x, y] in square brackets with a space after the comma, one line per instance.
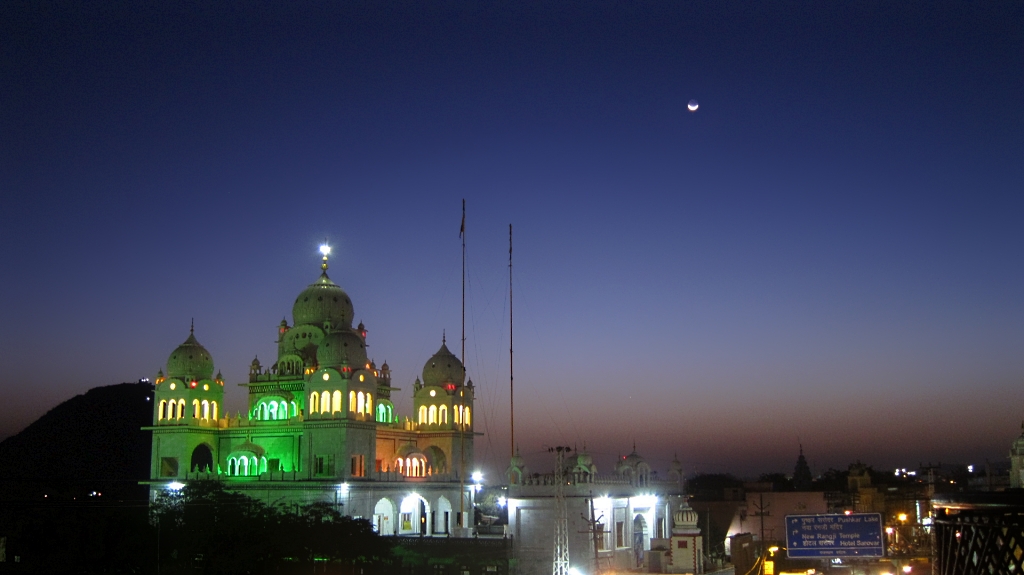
[443, 367]
[323, 301]
[676, 467]
[249, 447]
[342, 346]
[409, 450]
[190, 360]
[685, 516]
[518, 460]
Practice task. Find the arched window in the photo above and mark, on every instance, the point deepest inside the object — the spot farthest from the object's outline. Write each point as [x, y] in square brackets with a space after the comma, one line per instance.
[469, 420]
[181, 408]
[325, 402]
[381, 413]
[399, 464]
[314, 402]
[369, 404]
[162, 412]
[423, 414]
[352, 401]
[213, 405]
[442, 414]
[232, 463]
[432, 418]
[336, 406]
[295, 410]
[195, 409]
[243, 466]
[391, 416]
[263, 464]
[360, 403]
[254, 466]
[282, 409]
[206, 409]
[458, 414]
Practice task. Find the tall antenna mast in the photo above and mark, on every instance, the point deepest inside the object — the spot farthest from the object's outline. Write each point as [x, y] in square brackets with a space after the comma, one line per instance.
[462, 390]
[511, 377]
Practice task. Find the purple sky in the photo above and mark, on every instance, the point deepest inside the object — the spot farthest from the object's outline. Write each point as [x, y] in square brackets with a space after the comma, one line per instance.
[828, 251]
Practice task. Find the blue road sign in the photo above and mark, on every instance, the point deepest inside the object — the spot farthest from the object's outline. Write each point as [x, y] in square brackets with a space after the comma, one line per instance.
[834, 535]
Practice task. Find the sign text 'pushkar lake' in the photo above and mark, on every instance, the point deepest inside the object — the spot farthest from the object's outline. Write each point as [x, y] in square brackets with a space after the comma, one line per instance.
[834, 535]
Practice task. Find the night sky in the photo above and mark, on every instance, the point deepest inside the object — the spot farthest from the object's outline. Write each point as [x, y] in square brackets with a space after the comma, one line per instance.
[828, 251]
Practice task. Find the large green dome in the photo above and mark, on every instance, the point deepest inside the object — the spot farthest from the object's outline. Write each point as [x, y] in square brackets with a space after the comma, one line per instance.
[443, 367]
[323, 301]
[190, 361]
[343, 345]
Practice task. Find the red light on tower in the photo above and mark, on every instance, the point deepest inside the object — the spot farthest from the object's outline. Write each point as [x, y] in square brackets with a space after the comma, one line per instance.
[194, 383]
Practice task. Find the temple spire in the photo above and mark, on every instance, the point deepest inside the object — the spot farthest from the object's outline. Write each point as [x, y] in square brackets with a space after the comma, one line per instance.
[326, 251]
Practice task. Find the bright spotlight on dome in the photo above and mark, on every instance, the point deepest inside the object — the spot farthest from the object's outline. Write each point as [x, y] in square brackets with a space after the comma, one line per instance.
[325, 249]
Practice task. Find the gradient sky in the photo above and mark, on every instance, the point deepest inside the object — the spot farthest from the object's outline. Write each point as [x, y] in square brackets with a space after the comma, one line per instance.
[829, 251]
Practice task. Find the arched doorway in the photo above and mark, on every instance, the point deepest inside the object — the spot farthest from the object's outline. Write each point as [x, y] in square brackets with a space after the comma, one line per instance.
[384, 517]
[413, 518]
[639, 530]
[202, 459]
[443, 516]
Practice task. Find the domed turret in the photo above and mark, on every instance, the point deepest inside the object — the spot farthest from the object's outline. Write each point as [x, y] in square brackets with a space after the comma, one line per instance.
[684, 520]
[323, 301]
[190, 360]
[341, 346]
[443, 367]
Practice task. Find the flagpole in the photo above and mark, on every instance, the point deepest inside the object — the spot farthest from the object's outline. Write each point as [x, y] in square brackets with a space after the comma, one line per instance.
[462, 390]
[511, 377]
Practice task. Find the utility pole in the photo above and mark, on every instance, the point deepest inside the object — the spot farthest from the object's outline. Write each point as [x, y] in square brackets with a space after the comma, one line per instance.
[595, 530]
[560, 565]
[762, 512]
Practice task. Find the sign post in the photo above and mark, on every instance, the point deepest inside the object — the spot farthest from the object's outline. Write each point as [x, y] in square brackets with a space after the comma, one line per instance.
[834, 535]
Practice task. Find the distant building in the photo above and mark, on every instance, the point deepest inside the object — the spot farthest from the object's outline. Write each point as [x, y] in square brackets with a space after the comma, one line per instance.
[802, 478]
[1017, 460]
[320, 425]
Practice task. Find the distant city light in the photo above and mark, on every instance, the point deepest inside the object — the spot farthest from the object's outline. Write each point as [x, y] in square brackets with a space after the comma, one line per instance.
[970, 469]
[477, 476]
[502, 501]
[574, 571]
[175, 486]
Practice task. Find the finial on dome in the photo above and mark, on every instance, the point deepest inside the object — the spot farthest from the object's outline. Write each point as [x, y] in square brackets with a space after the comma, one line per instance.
[326, 251]
[443, 337]
[192, 327]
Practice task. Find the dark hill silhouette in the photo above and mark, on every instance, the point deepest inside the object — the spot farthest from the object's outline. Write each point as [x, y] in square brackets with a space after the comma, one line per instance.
[91, 442]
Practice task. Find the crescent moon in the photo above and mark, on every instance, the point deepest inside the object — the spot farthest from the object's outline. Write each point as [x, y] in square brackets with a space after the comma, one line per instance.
[692, 106]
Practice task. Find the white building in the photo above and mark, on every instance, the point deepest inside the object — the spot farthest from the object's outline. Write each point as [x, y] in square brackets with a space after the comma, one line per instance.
[633, 511]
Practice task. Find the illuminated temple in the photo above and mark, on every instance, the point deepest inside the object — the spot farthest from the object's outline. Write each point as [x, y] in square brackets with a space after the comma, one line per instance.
[320, 425]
